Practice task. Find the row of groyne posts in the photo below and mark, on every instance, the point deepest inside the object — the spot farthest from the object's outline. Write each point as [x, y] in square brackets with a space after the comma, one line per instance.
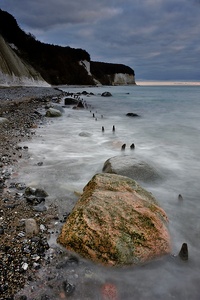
[83, 104]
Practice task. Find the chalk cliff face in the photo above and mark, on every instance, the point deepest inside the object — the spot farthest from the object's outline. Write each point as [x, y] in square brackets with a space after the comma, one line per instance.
[15, 71]
[114, 79]
[26, 61]
[123, 79]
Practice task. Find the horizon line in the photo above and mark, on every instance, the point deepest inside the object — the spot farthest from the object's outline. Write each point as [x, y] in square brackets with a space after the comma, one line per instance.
[166, 82]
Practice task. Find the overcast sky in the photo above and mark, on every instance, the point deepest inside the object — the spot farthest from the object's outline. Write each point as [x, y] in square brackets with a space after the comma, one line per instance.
[159, 39]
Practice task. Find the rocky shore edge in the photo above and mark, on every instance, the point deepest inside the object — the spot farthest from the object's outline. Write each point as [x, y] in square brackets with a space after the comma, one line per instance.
[21, 253]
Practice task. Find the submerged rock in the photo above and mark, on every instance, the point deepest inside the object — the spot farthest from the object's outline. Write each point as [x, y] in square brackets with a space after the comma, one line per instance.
[132, 115]
[116, 222]
[132, 167]
[85, 134]
[106, 94]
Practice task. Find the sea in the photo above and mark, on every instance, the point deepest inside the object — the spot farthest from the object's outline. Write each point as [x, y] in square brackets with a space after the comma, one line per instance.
[166, 134]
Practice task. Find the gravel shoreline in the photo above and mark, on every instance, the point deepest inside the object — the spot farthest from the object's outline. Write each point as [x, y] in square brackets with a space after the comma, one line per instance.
[21, 252]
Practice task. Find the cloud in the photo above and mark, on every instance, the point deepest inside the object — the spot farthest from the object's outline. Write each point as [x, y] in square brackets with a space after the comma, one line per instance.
[44, 14]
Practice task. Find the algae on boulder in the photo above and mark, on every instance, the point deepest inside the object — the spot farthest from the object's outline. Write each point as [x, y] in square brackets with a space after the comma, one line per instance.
[116, 222]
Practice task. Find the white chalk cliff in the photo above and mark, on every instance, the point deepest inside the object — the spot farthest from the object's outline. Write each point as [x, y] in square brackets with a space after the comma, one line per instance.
[123, 79]
[118, 79]
[16, 72]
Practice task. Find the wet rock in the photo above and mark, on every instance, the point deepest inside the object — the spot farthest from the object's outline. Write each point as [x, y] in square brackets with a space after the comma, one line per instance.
[68, 288]
[84, 93]
[53, 113]
[116, 222]
[132, 115]
[40, 207]
[33, 200]
[40, 193]
[60, 108]
[70, 101]
[132, 167]
[20, 186]
[30, 191]
[106, 94]
[85, 134]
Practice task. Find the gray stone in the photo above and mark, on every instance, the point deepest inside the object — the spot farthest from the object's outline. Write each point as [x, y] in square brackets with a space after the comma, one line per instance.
[53, 113]
[3, 120]
[85, 134]
[132, 167]
[31, 227]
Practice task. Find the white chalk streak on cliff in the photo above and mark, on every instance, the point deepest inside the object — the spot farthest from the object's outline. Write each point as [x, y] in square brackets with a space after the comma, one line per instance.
[14, 71]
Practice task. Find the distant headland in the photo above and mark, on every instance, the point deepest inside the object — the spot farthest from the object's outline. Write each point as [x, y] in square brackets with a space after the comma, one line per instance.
[27, 61]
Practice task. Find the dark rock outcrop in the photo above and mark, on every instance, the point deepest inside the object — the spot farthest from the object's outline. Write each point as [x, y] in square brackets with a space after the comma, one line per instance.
[70, 101]
[106, 94]
[132, 115]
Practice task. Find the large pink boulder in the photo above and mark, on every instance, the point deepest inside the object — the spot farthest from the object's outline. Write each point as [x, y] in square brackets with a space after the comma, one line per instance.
[116, 222]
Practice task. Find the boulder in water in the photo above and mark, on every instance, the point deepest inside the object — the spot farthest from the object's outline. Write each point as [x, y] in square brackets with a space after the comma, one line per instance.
[106, 94]
[116, 222]
[70, 101]
[53, 113]
[132, 167]
[132, 115]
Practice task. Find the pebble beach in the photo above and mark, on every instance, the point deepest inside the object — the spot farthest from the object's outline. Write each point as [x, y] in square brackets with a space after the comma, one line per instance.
[21, 251]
